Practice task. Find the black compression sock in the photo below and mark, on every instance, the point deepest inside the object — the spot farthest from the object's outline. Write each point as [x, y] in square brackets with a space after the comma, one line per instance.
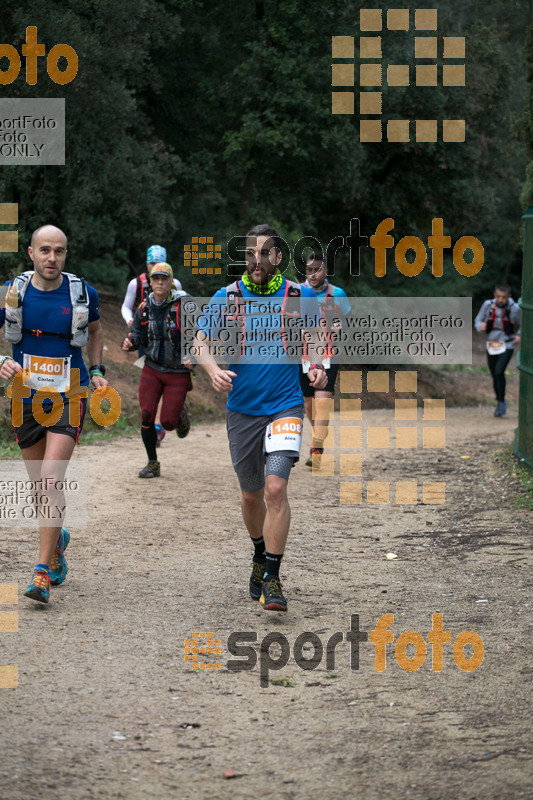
[259, 549]
[272, 565]
[149, 437]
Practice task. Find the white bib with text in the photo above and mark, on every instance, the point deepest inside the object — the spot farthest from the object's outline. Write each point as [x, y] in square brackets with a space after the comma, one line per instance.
[284, 434]
[46, 371]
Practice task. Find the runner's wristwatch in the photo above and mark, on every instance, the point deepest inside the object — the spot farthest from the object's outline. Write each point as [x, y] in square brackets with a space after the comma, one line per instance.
[317, 366]
[97, 369]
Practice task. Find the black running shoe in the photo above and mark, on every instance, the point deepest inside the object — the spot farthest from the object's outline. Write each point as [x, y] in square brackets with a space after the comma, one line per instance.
[184, 425]
[151, 470]
[272, 597]
[256, 579]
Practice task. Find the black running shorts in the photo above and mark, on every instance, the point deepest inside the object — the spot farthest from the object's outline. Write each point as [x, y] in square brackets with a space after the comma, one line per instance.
[308, 390]
[31, 431]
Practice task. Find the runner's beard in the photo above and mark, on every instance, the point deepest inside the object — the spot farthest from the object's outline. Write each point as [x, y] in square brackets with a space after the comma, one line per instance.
[264, 280]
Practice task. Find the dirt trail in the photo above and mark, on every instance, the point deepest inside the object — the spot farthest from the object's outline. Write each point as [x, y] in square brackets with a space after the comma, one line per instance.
[108, 708]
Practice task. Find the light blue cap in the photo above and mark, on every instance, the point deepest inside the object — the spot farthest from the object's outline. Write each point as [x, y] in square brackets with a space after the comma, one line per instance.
[156, 253]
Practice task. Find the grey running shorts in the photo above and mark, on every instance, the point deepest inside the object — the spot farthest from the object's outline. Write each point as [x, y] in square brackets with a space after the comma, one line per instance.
[246, 436]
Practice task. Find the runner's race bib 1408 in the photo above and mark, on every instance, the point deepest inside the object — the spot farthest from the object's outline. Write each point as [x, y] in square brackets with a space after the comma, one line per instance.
[284, 434]
[45, 371]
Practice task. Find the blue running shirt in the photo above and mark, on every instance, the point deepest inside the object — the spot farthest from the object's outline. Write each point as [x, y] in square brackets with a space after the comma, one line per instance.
[267, 388]
[51, 311]
[339, 297]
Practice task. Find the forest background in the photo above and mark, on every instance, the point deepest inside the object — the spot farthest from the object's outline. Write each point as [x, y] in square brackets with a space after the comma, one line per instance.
[191, 118]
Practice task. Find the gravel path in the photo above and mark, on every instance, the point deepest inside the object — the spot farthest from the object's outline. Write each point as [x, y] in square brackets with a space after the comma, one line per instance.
[107, 707]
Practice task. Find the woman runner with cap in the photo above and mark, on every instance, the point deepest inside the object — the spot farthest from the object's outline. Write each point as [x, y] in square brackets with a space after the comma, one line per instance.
[137, 291]
[155, 326]
[139, 288]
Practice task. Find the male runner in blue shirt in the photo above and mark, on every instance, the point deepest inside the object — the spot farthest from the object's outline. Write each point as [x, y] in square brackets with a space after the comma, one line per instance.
[265, 404]
[43, 327]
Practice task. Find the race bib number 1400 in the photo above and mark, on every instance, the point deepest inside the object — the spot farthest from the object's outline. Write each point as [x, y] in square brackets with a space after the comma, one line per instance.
[46, 371]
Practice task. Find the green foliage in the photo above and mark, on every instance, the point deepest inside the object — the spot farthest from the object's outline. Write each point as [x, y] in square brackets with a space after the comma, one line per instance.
[200, 118]
[525, 128]
[523, 474]
[285, 682]
[117, 188]
[263, 82]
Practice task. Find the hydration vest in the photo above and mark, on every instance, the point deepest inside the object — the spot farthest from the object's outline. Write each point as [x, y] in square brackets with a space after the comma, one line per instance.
[290, 307]
[172, 319]
[507, 325]
[328, 311]
[142, 290]
[327, 307]
[79, 334]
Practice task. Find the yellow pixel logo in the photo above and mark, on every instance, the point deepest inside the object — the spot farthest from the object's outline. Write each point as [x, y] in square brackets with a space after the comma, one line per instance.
[8, 624]
[202, 644]
[405, 436]
[372, 74]
[9, 240]
[192, 255]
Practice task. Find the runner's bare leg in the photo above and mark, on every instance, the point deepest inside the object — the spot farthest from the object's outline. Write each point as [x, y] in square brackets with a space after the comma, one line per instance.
[321, 422]
[46, 461]
[253, 512]
[308, 402]
[278, 515]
